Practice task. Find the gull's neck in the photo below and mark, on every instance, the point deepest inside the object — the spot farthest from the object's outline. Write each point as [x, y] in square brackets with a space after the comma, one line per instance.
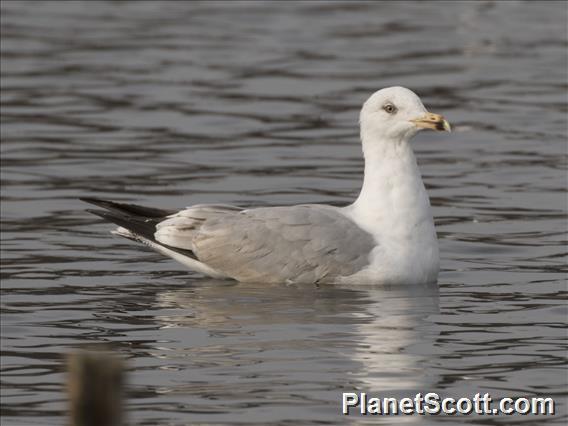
[393, 200]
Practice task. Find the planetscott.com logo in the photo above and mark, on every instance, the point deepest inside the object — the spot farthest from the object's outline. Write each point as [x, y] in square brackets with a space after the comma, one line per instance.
[432, 403]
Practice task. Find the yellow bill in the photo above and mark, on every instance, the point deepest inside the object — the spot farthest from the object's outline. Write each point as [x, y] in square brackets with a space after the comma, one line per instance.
[432, 121]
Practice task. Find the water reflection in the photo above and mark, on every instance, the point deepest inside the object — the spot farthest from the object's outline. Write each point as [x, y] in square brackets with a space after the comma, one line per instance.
[343, 339]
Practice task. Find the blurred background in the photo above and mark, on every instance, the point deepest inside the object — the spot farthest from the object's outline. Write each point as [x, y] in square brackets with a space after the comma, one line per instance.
[255, 103]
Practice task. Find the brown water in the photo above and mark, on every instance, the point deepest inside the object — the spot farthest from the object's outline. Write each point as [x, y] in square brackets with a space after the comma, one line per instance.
[171, 104]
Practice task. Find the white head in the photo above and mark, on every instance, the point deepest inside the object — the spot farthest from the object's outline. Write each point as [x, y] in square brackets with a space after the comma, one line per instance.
[397, 114]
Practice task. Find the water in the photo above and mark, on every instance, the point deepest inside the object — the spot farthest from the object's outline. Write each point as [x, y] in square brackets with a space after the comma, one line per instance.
[171, 104]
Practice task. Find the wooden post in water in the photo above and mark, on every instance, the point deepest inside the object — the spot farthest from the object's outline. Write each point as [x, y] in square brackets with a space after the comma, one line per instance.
[95, 389]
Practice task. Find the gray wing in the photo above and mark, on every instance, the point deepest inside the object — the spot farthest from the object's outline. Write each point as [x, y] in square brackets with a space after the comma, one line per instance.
[305, 243]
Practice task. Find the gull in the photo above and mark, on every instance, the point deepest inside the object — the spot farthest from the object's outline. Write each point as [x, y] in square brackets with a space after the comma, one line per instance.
[386, 236]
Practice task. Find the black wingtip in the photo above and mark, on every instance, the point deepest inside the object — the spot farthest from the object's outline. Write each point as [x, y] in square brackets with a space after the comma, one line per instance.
[95, 201]
[89, 199]
[128, 209]
[100, 213]
[140, 221]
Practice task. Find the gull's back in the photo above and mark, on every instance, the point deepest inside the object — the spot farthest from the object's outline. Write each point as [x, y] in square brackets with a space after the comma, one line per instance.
[304, 243]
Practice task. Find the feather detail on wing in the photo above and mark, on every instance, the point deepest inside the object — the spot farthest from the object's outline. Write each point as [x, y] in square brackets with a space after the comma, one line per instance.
[306, 243]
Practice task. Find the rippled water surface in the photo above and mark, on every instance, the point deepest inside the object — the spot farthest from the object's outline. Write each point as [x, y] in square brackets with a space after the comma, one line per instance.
[170, 104]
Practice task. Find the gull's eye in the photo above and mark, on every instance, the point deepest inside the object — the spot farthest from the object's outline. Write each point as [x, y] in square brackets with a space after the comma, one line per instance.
[389, 108]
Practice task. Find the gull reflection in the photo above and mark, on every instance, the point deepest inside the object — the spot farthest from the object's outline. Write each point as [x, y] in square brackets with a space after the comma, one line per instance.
[296, 339]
